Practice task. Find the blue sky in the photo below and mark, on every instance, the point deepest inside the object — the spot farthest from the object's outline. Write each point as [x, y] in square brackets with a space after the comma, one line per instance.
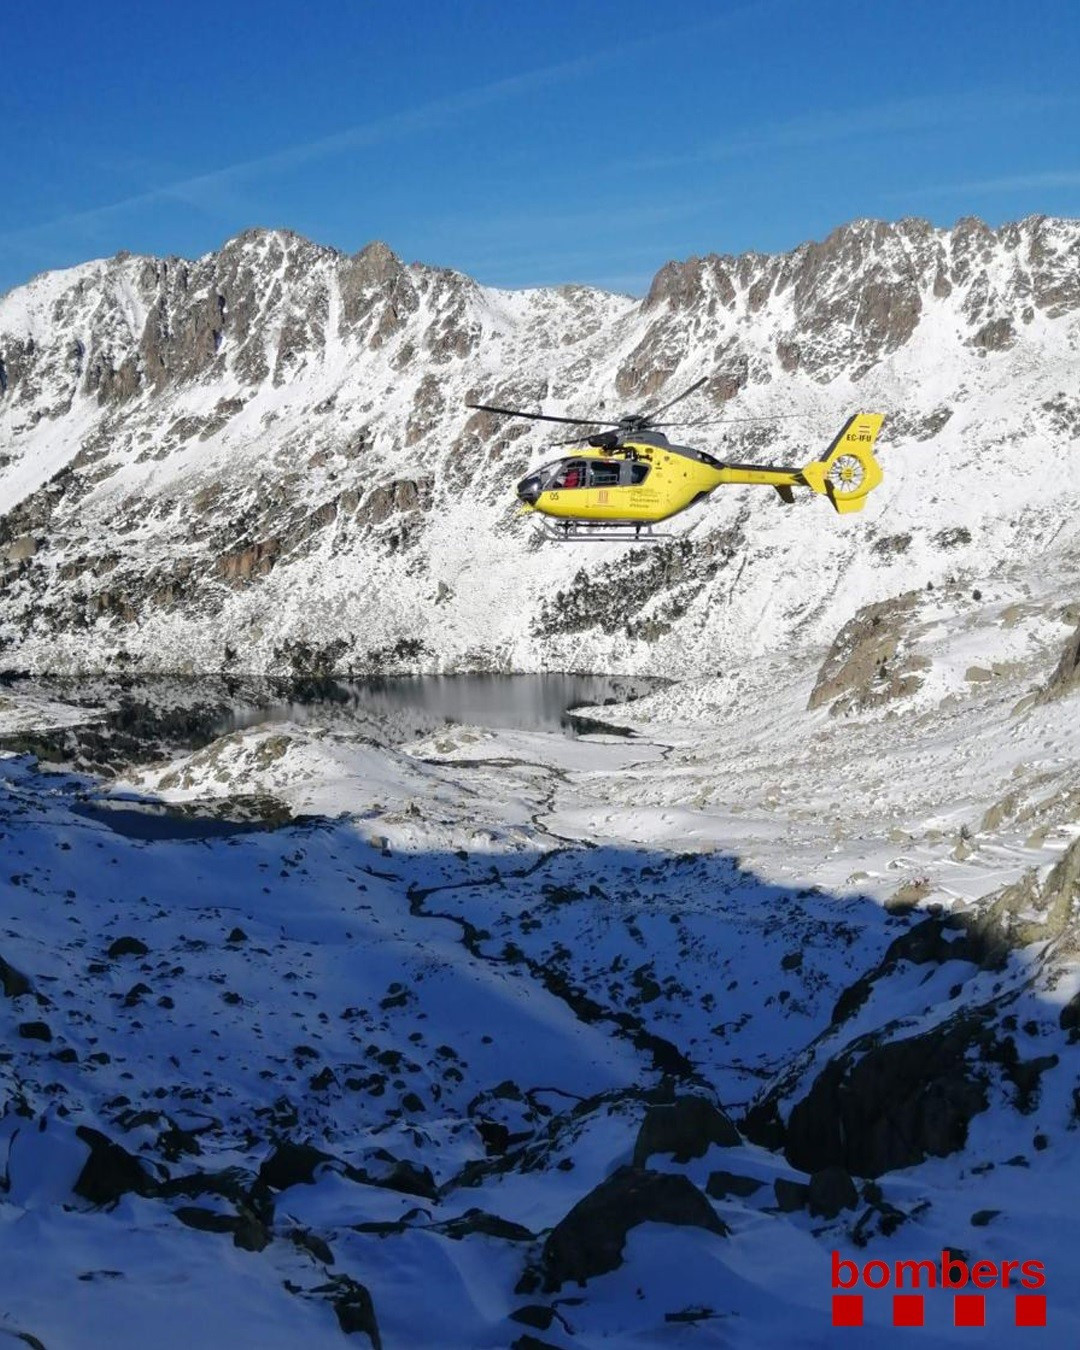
[526, 144]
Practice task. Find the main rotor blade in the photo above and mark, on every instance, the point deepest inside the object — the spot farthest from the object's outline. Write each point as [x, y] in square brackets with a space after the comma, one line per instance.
[650, 417]
[541, 417]
[719, 421]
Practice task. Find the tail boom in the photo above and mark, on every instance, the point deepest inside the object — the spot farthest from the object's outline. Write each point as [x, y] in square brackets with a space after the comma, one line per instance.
[846, 473]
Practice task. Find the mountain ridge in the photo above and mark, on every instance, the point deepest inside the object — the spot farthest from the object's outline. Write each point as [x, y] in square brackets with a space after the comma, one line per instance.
[279, 428]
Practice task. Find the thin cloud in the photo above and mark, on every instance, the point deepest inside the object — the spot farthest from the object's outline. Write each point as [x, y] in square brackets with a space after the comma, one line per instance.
[203, 191]
[900, 117]
[199, 189]
[1021, 182]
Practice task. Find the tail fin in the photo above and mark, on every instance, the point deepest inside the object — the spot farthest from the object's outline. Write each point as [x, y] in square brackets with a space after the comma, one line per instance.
[848, 472]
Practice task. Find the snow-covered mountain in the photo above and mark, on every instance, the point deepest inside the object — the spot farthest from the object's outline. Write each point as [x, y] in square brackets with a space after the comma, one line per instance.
[476, 1037]
[262, 460]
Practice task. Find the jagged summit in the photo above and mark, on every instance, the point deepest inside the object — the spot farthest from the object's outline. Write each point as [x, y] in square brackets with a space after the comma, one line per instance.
[268, 448]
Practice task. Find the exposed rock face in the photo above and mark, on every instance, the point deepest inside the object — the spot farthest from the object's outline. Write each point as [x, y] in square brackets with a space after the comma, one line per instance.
[1066, 677]
[352, 1303]
[830, 1191]
[882, 1106]
[13, 981]
[684, 1129]
[189, 448]
[860, 293]
[589, 1240]
[292, 1164]
[1031, 911]
[868, 664]
[110, 1171]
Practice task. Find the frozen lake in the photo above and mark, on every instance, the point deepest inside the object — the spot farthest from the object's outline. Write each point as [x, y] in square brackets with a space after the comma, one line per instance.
[104, 723]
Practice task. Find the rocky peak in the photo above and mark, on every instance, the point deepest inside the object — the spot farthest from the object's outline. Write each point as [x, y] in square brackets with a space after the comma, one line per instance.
[376, 264]
[281, 414]
[677, 284]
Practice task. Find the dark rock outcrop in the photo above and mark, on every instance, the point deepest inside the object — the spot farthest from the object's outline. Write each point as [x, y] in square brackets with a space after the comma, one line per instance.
[35, 1031]
[13, 982]
[685, 1129]
[723, 1184]
[790, 1195]
[353, 1306]
[292, 1164]
[880, 1106]
[830, 1191]
[590, 1239]
[126, 946]
[110, 1171]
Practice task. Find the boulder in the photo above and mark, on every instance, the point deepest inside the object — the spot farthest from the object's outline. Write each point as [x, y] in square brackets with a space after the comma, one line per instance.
[126, 946]
[791, 1195]
[110, 1171]
[534, 1315]
[35, 1031]
[292, 1164]
[831, 1189]
[722, 1184]
[13, 982]
[352, 1303]
[1066, 677]
[590, 1239]
[870, 661]
[685, 1129]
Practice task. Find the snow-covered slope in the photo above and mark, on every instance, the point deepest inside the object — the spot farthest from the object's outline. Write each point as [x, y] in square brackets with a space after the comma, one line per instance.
[494, 1037]
[512, 1040]
[262, 460]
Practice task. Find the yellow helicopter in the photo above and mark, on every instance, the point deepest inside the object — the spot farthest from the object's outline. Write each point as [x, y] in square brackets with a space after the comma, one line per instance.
[622, 482]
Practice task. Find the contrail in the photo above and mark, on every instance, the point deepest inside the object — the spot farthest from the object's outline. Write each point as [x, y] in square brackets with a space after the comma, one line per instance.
[193, 191]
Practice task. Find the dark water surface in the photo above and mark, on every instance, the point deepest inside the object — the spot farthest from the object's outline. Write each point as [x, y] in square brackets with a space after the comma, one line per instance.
[132, 720]
[524, 702]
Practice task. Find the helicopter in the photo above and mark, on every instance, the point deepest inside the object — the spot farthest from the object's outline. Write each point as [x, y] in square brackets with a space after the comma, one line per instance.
[622, 482]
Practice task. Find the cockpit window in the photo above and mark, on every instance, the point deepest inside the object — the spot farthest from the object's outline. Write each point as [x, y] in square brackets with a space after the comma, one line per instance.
[571, 475]
[638, 473]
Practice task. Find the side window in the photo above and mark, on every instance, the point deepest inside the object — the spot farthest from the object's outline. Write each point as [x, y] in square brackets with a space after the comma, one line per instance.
[638, 473]
[603, 474]
[571, 475]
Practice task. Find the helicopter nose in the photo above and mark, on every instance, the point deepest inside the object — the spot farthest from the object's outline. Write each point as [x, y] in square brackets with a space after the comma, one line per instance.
[528, 490]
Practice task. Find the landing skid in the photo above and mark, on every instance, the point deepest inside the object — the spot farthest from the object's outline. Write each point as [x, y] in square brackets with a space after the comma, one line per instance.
[572, 531]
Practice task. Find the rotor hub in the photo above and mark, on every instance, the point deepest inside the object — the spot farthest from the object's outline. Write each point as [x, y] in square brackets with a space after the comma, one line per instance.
[846, 475]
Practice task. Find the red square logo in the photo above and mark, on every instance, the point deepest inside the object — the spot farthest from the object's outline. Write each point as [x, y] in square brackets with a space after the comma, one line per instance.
[907, 1310]
[969, 1310]
[847, 1310]
[1031, 1310]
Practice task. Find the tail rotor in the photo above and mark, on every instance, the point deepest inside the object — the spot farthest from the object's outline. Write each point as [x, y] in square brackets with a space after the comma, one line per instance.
[848, 472]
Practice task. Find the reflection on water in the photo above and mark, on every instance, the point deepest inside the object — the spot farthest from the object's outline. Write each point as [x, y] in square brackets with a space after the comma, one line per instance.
[423, 702]
[130, 720]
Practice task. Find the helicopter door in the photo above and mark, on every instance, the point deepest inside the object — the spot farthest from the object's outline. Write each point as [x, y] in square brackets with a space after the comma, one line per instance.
[633, 473]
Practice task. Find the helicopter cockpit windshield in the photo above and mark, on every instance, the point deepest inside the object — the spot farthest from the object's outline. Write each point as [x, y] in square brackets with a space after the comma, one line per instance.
[530, 488]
